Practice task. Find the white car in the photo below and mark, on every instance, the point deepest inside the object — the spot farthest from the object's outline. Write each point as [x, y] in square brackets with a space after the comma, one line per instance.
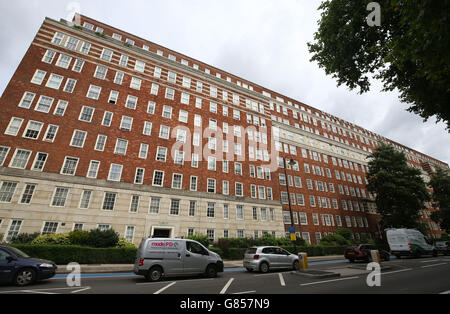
[408, 242]
[265, 258]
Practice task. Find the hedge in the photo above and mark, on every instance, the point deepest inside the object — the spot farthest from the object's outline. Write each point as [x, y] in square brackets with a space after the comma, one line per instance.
[65, 254]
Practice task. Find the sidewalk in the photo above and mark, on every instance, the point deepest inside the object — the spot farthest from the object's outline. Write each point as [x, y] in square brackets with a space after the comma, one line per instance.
[128, 268]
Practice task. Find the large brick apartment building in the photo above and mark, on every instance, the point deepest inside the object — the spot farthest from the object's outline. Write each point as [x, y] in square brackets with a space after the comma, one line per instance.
[103, 129]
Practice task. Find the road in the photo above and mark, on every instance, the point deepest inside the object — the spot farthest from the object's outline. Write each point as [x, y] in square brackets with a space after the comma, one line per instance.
[406, 276]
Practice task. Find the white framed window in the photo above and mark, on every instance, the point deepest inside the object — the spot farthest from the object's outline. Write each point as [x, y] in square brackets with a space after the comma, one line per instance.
[28, 193]
[124, 60]
[177, 181]
[185, 98]
[109, 202]
[20, 159]
[4, 150]
[14, 126]
[171, 77]
[115, 172]
[158, 178]
[85, 199]
[167, 112]
[33, 130]
[101, 143]
[38, 77]
[143, 151]
[78, 138]
[107, 119]
[94, 166]
[147, 128]
[164, 132]
[239, 189]
[151, 107]
[135, 83]
[131, 102]
[70, 85]
[154, 89]
[61, 107]
[69, 166]
[100, 72]
[154, 205]
[157, 72]
[86, 114]
[170, 93]
[139, 176]
[57, 38]
[118, 79]
[60, 197]
[44, 104]
[139, 66]
[106, 54]
[78, 65]
[161, 154]
[63, 61]
[126, 124]
[54, 81]
[134, 206]
[121, 147]
[27, 100]
[94, 92]
[211, 186]
[39, 161]
[49, 56]
[7, 191]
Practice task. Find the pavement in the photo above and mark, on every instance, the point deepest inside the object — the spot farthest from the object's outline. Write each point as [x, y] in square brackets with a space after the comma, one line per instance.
[128, 268]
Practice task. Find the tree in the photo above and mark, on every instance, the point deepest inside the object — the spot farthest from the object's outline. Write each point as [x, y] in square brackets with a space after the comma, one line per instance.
[400, 190]
[440, 183]
[409, 51]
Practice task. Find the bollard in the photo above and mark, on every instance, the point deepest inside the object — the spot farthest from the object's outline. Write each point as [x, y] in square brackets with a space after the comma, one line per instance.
[375, 256]
[303, 260]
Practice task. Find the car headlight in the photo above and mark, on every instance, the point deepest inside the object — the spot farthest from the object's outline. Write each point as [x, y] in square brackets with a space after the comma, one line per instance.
[46, 265]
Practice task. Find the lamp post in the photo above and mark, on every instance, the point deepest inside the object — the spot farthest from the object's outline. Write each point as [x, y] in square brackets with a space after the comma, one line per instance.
[291, 163]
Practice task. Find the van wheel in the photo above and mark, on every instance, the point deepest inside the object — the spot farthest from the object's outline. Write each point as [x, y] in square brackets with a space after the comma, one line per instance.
[264, 267]
[211, 271]
[154, 274]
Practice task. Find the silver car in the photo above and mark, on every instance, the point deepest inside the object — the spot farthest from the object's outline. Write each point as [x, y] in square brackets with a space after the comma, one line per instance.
[265, 258]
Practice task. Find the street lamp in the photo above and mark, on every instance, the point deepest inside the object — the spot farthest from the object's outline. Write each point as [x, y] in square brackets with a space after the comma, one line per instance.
[291, 163]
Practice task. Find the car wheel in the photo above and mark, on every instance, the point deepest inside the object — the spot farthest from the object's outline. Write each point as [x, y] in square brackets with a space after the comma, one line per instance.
[154, 274]
[264, 267]
[211, 271]
[296, 266]
[24, 277]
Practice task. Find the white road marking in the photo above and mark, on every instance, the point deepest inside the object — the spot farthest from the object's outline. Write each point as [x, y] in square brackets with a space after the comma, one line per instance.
[166, 287]
[245, 292]
[39, 290]
[80, 290]
[432, 260]
[434, 265]
[395, 271]
[227, 286]
[326, 281]
[282, 280]
[445, 292]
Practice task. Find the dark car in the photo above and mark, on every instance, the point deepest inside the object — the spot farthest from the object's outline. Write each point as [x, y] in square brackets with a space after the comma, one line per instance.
[443, 247]
[18, 268]
[362, 252]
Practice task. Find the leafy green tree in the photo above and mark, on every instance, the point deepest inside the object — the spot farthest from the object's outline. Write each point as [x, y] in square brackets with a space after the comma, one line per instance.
[346, 233]
[400, 190]
[440, 183]
[408, 52]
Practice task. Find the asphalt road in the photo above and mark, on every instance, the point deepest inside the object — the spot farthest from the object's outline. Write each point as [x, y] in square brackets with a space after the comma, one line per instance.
[406, 276]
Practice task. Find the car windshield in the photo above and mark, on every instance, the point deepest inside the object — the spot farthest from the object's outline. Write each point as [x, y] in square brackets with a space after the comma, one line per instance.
[18, 252]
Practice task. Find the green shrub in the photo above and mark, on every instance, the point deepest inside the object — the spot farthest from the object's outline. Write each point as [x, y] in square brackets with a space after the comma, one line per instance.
[24, 238]
[125, 244]
[203, 239]
[334, 240]
[346, 233]
[79, 237]
[103, 238]
[65, 254]
[52, 239]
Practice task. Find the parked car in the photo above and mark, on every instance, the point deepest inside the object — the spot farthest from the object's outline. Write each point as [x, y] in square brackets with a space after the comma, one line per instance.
[408, 242]
[363, 252]
[18, 268]
[158, 258]
[265, 258]
[443, 247]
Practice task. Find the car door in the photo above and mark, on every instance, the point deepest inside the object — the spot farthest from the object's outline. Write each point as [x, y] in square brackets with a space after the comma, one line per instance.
[270, 255]
[173, 264]
[6, 266]
[285, 258]
[195, 258]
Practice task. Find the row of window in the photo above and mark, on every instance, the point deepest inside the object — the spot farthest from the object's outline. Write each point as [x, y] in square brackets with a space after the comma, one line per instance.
[326, 219]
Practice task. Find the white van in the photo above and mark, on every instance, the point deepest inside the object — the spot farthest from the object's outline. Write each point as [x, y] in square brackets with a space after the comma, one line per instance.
[158, 258]
[408, 242]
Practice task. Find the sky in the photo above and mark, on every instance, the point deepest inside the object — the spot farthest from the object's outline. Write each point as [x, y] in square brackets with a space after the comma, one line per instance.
[263, 41]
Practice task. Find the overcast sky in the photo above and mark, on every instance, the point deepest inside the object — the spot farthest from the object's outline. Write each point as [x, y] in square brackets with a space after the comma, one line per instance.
[263, 41]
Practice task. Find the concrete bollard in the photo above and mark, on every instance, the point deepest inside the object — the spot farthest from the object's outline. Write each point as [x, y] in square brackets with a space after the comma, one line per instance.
[303, 261]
